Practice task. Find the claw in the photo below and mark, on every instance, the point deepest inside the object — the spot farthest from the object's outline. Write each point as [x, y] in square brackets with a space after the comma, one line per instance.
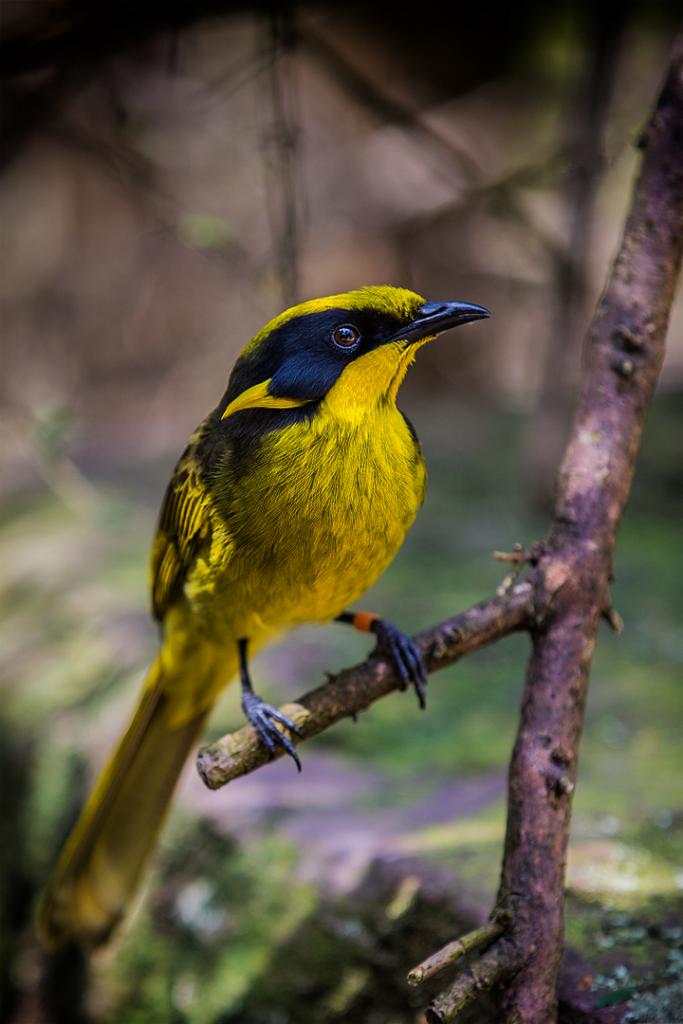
[262, 716]
[406, 657]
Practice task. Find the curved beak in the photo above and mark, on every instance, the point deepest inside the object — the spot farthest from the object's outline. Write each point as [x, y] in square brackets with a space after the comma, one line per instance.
[435, 317]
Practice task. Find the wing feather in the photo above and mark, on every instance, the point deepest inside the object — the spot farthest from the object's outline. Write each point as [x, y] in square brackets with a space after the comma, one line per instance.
[183, 529]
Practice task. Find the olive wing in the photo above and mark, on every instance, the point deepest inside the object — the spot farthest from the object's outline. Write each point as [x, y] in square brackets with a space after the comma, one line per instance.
[184, 528]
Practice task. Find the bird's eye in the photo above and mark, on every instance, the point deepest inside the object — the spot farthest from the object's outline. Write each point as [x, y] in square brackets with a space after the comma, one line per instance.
[346, 336]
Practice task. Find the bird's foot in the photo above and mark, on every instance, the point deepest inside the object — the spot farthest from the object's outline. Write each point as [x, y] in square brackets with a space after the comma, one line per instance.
[263, 717]
[405, 655]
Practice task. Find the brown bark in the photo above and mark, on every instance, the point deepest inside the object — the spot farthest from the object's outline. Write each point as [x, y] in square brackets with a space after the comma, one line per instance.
[623, 355]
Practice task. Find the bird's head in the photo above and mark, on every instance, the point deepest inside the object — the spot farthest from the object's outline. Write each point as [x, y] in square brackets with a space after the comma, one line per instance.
[349, 351]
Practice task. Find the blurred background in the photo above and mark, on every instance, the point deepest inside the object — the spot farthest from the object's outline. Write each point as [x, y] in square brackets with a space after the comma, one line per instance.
[173, 177]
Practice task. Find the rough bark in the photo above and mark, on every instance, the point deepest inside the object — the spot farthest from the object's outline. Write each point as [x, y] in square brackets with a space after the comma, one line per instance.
[622, 359]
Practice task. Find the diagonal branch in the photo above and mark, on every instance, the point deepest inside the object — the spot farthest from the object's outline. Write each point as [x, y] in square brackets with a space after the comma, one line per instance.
[454, 951]
[355, 689]
[497, 964]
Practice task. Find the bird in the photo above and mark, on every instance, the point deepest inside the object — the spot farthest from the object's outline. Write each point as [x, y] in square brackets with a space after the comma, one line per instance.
[290, 499]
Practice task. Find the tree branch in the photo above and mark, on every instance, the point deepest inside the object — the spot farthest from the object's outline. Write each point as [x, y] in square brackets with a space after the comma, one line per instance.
[454, 951]
[355, 689]
[496, 965]
[623, 356]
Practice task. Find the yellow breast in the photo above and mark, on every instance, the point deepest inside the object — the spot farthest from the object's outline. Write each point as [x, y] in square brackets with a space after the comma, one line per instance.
[316, 520]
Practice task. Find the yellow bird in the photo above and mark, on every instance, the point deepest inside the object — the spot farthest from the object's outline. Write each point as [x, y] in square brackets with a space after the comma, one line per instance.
[288, 502]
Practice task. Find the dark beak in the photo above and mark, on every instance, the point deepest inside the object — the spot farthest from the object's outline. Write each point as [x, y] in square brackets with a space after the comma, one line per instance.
[435, 317]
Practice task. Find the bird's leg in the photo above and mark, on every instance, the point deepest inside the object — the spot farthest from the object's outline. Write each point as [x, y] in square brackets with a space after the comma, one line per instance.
[401, 650]
[262, 715]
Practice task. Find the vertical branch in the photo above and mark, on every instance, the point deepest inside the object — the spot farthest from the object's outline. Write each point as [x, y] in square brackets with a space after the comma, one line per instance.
[623, 356]
[281, 158]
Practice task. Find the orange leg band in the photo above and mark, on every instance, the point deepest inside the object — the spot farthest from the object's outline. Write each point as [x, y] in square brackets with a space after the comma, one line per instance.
[364, 620]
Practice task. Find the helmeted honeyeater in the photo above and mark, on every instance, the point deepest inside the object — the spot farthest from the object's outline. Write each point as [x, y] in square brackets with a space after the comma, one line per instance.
[288, 502]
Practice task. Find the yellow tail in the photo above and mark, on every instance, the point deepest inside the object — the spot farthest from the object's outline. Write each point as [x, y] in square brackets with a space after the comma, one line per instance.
[99, 868]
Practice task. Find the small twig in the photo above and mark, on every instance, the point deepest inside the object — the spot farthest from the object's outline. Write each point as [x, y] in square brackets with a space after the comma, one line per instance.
[357, 688]
[518, 555]
[521, 555]
[499, 962]
[613, 619]
[454, 951]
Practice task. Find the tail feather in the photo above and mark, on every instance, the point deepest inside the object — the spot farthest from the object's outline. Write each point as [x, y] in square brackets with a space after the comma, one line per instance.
[99, 868]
